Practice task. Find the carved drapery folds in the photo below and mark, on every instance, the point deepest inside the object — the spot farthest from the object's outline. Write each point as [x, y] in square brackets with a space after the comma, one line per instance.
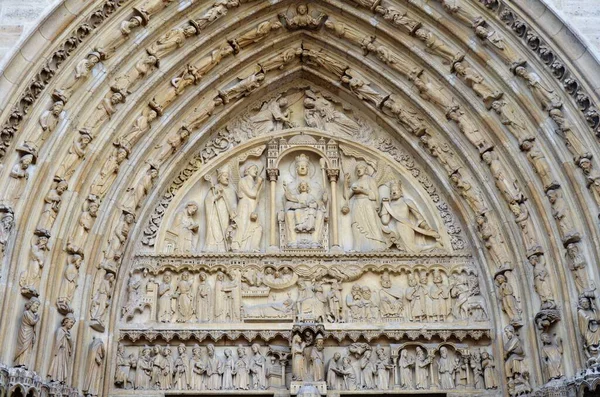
[320, 175]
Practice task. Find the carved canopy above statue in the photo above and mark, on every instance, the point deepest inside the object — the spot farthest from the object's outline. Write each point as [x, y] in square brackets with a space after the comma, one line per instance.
[359, 196]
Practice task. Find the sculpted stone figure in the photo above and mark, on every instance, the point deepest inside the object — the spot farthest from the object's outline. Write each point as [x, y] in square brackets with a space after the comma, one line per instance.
[509, 188]
[589, 326]
[400, 64]
[101, 300]
[578, 266]
[499, 44]
[512, 121]
[321, 113]
[552, 351]
[254, 35]
[93, 370]
[510, 304]
[346, 31]
[220, 211]
[390, 298]
[563, 216]
[514, 357]
[525, 223]
[225, 301]
[243, 87]
[349, 374]
[203, 299]
[81, 73]
[248, 230]
[361, 88]
[62, 352]
[19, 175]
[541, 281]
[319, 59]
[279, 61]
[109, 171]
[398, 18]
[440, 299]
[404, 224]
[489, 371]
[299, 365]
[135, 194]
[165, 299]
[258, 368]
[432, 92]
[242, 370]
[105, 109]
[172, 143]
[445, 367]
[382, 369]
[442, 152]
[171, 41]
[302, 19]
[477, 83]
[69, 283]
[228, 369]
[185, 299]
[218, 9]
[493, 242]
[592, 177]
[334, 380]
[470, 193]
[140, 126]
[143, 371]
[273, 116]
[186, 228]
[213, 368]
[422, 363]
[116, 243]
[197, 369]
[52, 203]
[363, 196]
[546, 97]
[409, 118]
[30, 279]
[48, 122]
[27, 333]
[469, 129]
[540, 164]
[367, 370]
[7, 222]
[437, 47]
[406, 363]
[75, 155]
[181, 374]
[305, 207]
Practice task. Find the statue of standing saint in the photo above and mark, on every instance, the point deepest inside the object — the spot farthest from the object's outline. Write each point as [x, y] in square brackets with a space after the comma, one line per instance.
[249, 230]
[220, 205]
[305, 206]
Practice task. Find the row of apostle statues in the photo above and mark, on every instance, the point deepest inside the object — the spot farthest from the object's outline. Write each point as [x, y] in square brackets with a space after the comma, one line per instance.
[279, 294]
[238, 204]
[166, 368]
[359, 366]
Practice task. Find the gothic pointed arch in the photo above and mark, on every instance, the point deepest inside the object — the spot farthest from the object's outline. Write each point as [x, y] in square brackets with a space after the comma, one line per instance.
[353, 196]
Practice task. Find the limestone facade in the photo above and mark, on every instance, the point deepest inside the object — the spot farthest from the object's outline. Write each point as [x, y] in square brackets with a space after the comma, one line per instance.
[283, 198]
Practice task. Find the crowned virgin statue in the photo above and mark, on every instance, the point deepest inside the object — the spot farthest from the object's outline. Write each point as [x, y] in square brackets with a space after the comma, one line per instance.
[305, 206]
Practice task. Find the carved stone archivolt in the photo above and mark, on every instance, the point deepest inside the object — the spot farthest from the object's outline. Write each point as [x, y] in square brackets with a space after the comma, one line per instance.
[291, 198]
